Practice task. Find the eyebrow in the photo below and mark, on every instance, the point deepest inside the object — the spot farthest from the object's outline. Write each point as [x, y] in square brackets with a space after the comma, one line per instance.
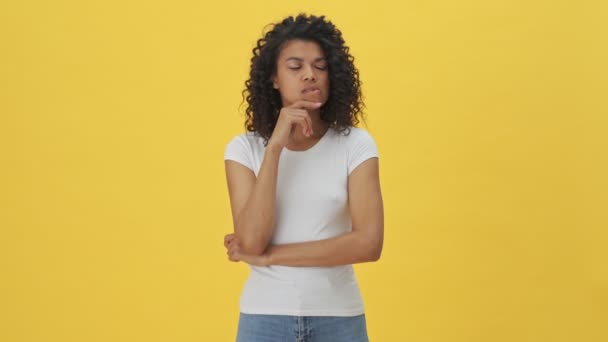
[301, 59]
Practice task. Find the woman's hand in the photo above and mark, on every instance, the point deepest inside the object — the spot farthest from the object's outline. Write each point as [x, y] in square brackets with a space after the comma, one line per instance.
[289, 118]
[231, 242]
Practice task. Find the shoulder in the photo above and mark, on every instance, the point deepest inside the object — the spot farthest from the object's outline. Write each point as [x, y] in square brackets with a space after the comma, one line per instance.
[244, 148]
[245, 137]
[360, 133]
[360, 146]
[247, 140]
[355, 136]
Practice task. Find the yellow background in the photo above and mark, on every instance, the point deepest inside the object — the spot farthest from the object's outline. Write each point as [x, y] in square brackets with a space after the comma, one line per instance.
[490, 118]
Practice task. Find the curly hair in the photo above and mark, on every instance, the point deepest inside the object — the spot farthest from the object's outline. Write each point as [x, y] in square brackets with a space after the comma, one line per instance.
[344, 104]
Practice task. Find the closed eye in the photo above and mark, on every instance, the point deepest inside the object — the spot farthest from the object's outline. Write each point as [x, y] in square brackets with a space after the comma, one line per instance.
[297, 68]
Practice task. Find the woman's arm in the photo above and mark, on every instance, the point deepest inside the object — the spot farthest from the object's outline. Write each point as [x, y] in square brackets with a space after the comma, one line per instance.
[362, 244]
[252, 201]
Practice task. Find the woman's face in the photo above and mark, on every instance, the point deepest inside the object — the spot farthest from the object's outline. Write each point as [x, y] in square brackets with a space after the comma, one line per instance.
[302, 73]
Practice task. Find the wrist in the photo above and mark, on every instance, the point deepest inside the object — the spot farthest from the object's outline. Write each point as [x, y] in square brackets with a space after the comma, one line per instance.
[274, 147]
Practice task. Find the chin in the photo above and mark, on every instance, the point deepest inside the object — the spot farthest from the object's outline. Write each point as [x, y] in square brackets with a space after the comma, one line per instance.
[314, 97]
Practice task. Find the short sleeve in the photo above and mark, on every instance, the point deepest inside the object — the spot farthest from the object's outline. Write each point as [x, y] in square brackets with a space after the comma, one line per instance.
[239, 150]
[362, 148]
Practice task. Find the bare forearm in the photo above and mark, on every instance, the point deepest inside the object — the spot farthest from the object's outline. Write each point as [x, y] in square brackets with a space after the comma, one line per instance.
[349, 248]
[256, 221]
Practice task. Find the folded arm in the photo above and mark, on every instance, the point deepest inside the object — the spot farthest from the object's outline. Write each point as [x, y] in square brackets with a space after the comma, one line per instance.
[252, 200]
[362, 244]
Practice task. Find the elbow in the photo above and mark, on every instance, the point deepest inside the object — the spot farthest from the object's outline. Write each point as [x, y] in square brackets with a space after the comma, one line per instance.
[376, 248]
[253, 248]
[373, 249]
[375, 253]
[253, 239]
[252, 244]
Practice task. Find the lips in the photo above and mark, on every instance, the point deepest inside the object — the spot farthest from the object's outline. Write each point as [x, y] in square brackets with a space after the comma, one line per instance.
[309, 89]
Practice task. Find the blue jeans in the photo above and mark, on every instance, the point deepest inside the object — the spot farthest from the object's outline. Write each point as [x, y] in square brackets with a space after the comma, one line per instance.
[283, 328]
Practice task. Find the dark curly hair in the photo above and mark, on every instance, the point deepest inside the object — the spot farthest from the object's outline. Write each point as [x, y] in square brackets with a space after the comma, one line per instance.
[344, 104]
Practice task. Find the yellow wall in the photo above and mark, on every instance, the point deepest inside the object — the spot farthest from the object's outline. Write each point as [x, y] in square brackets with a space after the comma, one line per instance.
[490, 118]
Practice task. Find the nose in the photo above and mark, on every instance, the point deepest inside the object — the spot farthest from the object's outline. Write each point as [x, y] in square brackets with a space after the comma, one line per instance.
[309, 74]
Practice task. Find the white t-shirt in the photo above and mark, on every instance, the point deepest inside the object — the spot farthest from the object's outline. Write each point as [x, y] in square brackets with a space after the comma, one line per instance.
[311, 204]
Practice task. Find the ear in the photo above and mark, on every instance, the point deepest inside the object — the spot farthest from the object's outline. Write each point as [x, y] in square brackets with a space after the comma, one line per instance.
[275, 85]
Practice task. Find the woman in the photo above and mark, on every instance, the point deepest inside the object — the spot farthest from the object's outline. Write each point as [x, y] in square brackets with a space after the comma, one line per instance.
[304, 189]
